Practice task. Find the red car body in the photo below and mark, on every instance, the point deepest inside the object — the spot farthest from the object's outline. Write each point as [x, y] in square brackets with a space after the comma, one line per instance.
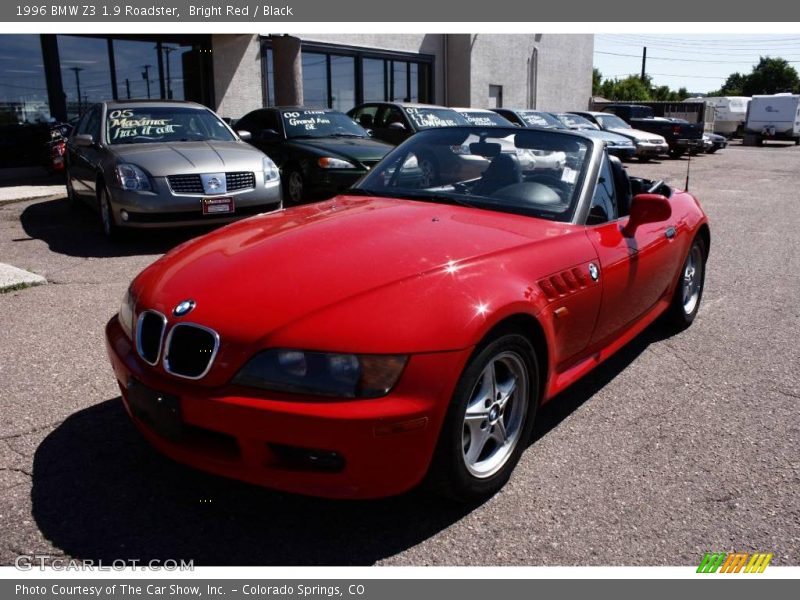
[375, 275]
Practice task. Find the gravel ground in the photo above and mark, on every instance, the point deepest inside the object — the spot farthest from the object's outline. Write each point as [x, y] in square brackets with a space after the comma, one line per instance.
[676, 446]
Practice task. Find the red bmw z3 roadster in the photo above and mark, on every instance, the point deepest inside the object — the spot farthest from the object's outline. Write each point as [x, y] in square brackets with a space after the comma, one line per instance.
[407, 331]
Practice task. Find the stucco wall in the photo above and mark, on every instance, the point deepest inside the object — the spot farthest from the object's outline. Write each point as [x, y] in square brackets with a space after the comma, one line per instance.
[237, 74]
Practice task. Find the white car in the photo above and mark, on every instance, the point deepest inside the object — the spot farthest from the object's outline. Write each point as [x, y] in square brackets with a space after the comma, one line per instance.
[648, 145]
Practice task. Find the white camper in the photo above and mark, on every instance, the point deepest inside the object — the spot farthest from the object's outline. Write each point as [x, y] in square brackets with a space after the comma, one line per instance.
[726, 113]
[775, 117]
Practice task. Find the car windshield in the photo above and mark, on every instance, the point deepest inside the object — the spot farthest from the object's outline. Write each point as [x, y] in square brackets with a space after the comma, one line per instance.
[149, 124]
[427, 118]
[612, 122]
[575, 121]
[531, 172]
[320, 124]
[533, 118]
[485, 118]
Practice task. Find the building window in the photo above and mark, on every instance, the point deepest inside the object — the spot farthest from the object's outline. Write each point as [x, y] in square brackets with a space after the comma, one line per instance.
[495, 96]
[341, 77]
[85, 72]
[136, 67]
[23, 88]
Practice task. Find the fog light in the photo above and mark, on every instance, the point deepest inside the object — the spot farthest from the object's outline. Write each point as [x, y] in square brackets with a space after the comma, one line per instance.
[307, 459]
[124, 215]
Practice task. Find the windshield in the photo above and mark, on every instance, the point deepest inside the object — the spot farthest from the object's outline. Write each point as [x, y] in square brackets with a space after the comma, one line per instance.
[320, 123]
[146, 124]
[428, 118]
[485, 118]
[612, 122]
[534, 118]
[531, 172]
[575, 121]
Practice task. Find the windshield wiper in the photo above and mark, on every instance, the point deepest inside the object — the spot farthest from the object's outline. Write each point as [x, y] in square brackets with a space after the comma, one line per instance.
[348, 135]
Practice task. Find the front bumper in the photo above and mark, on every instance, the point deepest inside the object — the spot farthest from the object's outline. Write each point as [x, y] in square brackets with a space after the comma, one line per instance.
[650, 149]
[622, 151]
[689, 144]
[162, 208]
[386, 444]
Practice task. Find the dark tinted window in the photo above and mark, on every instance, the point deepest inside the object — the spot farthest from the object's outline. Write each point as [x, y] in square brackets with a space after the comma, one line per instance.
[604, 201]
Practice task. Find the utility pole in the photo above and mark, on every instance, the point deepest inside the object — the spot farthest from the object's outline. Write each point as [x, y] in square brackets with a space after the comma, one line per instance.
[167, 51]
[77, 71]
[644, 61]
[146, 76]
[128, 87]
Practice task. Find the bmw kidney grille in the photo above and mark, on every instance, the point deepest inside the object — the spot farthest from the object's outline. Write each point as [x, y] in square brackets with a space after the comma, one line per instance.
[149, 335]
[188, 352]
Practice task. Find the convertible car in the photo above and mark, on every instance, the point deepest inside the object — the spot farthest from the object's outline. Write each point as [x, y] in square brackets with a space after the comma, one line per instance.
[406, 332]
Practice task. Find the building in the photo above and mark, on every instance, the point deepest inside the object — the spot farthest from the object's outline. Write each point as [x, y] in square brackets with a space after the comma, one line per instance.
[44, 77]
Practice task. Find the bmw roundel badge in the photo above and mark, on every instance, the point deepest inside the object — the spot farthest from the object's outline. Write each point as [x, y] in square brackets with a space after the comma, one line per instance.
[593, 271]
[184, 308]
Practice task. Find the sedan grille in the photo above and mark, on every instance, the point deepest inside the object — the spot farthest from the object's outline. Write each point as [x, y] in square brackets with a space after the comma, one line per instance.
[190, 350]
[149, 335]
[193, 184]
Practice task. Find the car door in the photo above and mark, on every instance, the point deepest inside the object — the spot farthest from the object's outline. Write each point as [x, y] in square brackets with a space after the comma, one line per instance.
[85, 160]
[75, 163]
[635, 269]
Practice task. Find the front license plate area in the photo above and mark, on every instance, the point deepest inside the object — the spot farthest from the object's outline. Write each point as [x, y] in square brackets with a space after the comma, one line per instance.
[160, 411]
[216, 206]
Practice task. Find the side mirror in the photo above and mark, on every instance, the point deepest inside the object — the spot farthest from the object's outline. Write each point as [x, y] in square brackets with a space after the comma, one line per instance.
[396, 126]
[246, 136]
[84, 140]
[370, 133]
[268, 134]
[647, 208]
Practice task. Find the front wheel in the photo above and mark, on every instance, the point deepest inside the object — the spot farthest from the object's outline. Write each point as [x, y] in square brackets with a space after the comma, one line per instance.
[110, 228]
[295, 187]
[72, 199]
[689, 291]
[489, 420]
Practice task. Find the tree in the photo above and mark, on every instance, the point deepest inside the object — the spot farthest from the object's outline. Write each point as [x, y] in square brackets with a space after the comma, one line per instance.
[597, 79]
[771, 76]
[632, 88]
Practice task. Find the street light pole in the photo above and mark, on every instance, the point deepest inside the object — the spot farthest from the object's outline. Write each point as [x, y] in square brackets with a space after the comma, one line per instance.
[146, 76]
[167, 51]
[77, 71]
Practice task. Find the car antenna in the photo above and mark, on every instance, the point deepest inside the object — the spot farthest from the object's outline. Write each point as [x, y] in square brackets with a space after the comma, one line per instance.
[688, 165]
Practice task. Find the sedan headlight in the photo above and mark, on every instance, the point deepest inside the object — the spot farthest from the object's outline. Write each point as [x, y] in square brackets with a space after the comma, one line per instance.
[271, 172]
[328, 162]
[126, 309]
[131, 177]
[323, 374]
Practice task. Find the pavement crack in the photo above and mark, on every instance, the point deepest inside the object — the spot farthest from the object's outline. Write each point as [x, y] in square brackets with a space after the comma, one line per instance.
[17, 470]
[12, 436]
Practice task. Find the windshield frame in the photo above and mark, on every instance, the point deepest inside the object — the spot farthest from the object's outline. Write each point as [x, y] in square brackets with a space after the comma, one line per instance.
[581, 197]
[107, 111]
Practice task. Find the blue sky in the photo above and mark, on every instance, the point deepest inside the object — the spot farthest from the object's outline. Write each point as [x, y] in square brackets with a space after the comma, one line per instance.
[697, 62]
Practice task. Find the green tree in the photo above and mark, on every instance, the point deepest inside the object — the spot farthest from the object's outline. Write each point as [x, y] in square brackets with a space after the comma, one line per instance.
[632, 88]
[597, 80]
[771, 76]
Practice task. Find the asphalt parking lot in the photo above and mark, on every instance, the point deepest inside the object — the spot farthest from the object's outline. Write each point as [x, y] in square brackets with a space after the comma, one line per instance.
[677, 446]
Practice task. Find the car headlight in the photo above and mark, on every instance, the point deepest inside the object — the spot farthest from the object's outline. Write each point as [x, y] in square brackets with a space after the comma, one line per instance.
[271, 172]
[126, 309]
[131, 177]
[328, 162]
[322, 373]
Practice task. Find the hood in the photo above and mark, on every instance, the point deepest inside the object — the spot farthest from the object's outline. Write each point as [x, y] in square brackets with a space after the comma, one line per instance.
[638, 135]
[359, 149]
[256, 279]
[162, 159]
[605, 136]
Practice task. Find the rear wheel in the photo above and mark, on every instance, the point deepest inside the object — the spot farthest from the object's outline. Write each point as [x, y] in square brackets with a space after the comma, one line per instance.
[689, 291]
[489, 420]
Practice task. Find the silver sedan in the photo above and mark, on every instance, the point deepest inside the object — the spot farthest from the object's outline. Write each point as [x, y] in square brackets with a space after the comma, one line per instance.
[165, 164]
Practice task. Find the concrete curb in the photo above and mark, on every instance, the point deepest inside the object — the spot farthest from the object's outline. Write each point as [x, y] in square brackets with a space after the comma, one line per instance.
[12, 278]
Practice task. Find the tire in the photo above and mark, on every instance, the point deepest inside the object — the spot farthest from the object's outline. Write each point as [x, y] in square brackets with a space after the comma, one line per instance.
[294, 188]
[797, 141]
[471, 462]
[72, 198]
[644, 159]
[676, 153]
[430, 171]
[711, 151]
[689, 288]
[110, 228]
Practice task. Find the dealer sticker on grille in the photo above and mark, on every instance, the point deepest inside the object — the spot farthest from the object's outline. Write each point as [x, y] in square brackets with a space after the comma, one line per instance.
[212, 206]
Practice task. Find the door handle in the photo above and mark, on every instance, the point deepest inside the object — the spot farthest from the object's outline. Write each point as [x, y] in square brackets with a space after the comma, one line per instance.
[670, 233]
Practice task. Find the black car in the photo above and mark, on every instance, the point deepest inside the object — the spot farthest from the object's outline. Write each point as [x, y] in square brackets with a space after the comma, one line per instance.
[395, 122]
[320, 152]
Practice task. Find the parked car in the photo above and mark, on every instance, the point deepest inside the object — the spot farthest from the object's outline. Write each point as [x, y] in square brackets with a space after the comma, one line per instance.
[775, 117]
[711, 141]
[648, 145]
[394, 122]
[404, 334]
[320, 152]
[618, 145]
[483, 117]
[147, 164]
[681, 137]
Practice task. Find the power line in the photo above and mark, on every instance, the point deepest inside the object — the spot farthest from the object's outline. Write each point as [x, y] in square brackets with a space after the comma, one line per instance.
[693, 60]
